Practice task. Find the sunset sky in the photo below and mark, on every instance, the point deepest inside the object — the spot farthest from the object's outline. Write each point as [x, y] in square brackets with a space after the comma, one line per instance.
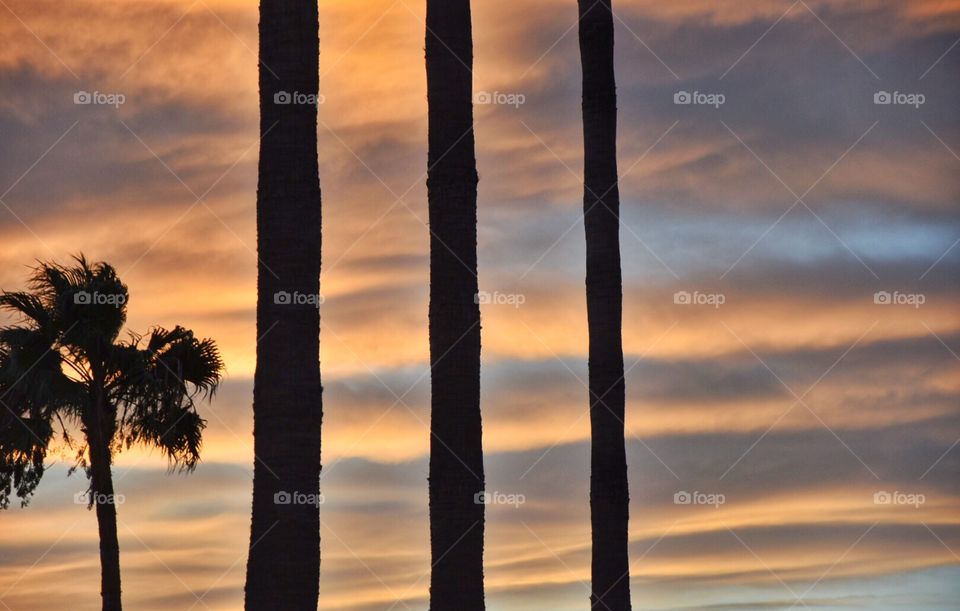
[786, 212]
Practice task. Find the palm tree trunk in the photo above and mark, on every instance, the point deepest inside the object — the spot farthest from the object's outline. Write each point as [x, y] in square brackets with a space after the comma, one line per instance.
[99, 431]
[609, 495]
[102, 488]
[283, 566]
[456, 452]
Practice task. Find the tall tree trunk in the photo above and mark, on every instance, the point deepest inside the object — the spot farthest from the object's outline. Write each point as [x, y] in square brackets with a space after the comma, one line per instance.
[101, 487]
[99, 424]
[283, 567]
[609, 495]
[456, 452]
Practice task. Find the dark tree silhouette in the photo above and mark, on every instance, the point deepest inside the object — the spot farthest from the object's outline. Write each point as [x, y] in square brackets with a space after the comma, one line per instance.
[456, 452]
[63, 366]
[283, 566]
[609, 494]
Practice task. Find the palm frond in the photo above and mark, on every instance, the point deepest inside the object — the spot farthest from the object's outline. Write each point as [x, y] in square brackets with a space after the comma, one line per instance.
[86, 302]
[174, 428]
[30, 307]
[157, 379]
[188, 360]
[23, 448]
[31, 374]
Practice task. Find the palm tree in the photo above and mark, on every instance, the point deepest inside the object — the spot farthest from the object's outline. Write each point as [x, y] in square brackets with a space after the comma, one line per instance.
[64, 366]
[456, 452]
[609, 494]
[283, 566]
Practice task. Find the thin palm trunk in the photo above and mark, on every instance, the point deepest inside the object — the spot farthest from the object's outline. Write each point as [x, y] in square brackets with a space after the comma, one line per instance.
[609, 495]
[99, 425]
[101, 489]
[456, 453]
[283, 566]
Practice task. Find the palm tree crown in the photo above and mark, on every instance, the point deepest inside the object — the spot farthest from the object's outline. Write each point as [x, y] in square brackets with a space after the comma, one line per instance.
[62, 366]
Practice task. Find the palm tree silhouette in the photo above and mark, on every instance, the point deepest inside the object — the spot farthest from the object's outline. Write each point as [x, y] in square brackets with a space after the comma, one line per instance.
[456, 450]
[64, 365]
[283, 565]
[609, 494]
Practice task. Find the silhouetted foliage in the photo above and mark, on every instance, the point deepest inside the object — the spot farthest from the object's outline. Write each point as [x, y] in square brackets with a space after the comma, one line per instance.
[63, 368]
